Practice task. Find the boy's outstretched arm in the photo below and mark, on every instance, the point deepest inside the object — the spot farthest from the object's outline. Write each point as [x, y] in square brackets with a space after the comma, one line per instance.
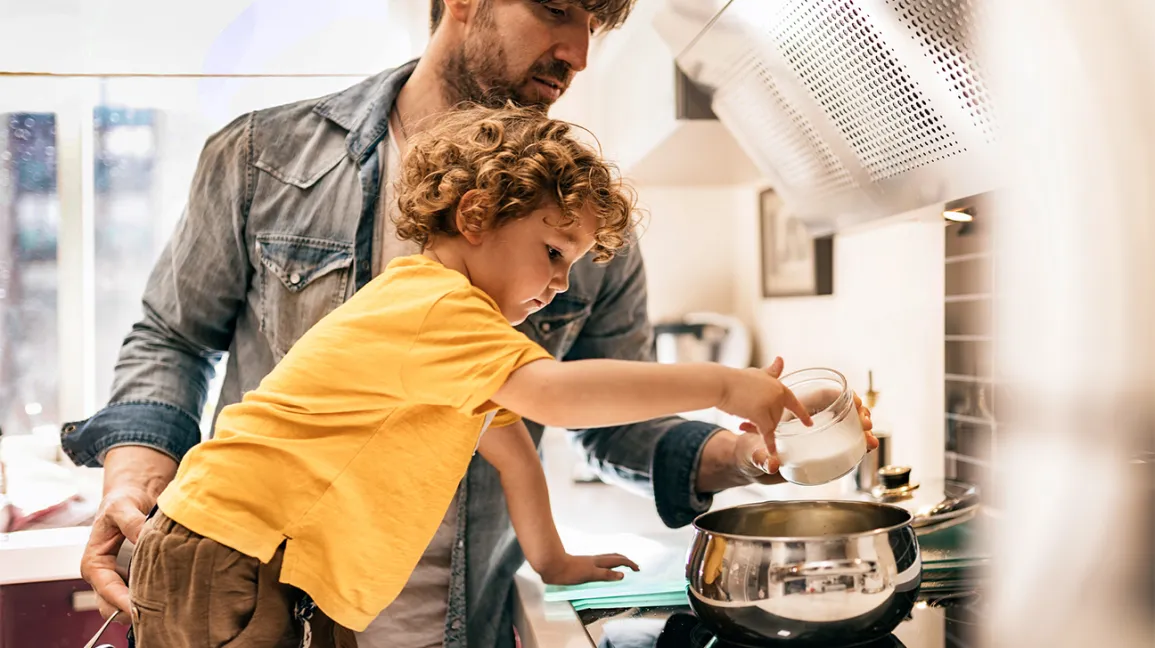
[594, 393]
[511, 451]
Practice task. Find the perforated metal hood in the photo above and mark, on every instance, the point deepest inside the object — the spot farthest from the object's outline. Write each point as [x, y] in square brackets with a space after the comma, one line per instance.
[854, 109]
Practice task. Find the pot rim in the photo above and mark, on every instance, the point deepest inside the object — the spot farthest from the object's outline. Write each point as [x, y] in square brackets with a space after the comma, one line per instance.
[760, 538]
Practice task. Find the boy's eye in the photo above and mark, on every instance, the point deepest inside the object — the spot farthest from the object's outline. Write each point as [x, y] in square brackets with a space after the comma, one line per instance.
[553, 252]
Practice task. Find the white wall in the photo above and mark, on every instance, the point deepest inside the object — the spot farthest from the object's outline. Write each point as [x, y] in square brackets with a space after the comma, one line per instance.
[886, 314]
[625, 97]
[687, 241]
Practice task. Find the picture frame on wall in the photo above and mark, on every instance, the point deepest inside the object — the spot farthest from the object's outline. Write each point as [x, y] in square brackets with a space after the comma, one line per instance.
[794, 264]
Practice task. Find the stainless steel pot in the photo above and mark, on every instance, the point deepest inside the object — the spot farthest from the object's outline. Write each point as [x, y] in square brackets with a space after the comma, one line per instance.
[804, 573]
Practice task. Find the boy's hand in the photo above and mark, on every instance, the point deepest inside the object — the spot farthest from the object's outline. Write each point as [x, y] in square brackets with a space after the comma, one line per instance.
[758, 460]
[574, 570]
[757, 396]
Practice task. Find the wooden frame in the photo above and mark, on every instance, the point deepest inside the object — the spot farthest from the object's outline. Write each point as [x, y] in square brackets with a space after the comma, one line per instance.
[793, 263]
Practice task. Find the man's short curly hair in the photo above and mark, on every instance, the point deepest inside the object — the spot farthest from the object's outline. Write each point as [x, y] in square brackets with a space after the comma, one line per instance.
[519, 159]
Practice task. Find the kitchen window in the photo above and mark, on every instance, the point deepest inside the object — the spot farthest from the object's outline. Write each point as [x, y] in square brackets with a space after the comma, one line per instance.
[94, 174]
[105, 106]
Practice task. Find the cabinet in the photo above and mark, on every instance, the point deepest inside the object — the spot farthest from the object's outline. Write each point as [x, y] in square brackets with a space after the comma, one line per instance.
[55, 614]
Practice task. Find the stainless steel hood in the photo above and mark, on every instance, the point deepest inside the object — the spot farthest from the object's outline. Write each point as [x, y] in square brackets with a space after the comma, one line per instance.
[854, 109]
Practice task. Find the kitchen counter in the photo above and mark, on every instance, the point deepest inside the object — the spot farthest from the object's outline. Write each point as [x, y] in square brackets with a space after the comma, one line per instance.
[544, 624]
[43, 601]
[621, 520]
[541, 624]
[41, 555]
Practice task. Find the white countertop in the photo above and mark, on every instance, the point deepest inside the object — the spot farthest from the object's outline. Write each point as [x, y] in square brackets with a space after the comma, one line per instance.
[41, 555]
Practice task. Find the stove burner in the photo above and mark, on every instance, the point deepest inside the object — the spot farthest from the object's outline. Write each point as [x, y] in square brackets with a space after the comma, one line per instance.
[679, 628]
[687, 631]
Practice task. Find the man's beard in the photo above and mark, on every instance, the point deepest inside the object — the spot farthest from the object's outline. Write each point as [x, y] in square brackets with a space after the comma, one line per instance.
[479, 62]
[467, 66]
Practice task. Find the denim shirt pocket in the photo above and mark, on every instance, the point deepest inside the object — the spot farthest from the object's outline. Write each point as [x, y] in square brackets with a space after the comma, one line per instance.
[556, 326]
[302, 279]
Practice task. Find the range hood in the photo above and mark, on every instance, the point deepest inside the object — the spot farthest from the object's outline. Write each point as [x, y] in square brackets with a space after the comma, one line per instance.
[853, 109]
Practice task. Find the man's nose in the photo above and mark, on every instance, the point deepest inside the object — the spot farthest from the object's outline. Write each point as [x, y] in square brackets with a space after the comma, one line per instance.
[575, 47]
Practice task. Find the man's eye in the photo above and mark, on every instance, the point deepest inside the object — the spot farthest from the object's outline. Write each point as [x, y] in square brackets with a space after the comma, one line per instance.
[556, 11]
[554, 253]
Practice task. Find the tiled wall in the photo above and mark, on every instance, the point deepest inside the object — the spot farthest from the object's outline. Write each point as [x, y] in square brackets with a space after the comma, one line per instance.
[971, 420]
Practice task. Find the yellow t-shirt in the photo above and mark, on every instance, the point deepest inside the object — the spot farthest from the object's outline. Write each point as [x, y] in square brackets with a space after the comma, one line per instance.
[352, 448]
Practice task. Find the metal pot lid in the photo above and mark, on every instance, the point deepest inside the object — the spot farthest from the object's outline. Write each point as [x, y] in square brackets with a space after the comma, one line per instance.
[930, 502]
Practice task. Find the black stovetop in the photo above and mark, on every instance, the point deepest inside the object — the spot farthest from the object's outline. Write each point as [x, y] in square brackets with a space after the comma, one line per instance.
[945, 621]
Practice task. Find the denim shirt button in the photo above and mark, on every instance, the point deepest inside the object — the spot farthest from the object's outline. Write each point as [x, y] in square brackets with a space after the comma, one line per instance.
[456, 625]
[545, 326]
[295, 278]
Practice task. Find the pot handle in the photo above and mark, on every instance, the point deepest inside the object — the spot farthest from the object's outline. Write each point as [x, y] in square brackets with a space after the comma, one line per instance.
[856, 567]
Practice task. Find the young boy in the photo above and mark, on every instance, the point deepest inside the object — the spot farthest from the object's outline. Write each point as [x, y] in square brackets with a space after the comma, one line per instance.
[325, 484]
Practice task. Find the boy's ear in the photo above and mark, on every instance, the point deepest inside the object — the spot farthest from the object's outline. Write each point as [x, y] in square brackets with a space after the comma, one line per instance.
[474, 215]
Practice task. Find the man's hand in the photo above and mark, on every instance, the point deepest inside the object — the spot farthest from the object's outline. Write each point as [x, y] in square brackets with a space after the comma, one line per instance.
[134, 477]
[730, 460]
[574, 570]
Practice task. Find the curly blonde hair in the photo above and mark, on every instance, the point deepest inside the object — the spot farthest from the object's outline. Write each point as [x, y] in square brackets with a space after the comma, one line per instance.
[518, 158]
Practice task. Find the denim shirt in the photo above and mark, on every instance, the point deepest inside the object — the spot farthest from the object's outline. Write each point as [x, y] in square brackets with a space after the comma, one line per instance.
[278, 232]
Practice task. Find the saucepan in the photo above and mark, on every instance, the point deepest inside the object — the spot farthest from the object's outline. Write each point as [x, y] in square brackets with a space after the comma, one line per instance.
[804, 573]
